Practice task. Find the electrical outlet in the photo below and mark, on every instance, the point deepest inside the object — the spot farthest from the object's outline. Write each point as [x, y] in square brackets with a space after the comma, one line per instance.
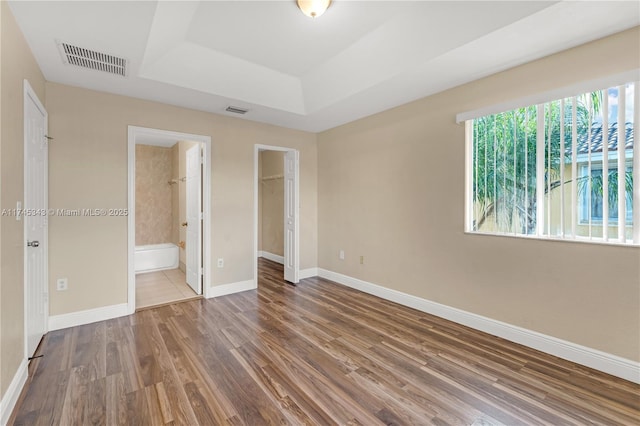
[341, 255]
[362, 260]
[62, 284]
[220, 262]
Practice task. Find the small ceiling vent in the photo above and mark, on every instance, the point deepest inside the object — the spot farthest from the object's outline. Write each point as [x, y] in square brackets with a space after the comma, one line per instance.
[236, 110]
[91, 59]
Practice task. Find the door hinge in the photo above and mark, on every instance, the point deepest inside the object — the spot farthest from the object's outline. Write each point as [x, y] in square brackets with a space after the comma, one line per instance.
[201, 271]
[201, 216]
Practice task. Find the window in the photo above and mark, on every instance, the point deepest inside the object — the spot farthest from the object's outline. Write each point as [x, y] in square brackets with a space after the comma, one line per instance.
[595, 199]
[552, 170]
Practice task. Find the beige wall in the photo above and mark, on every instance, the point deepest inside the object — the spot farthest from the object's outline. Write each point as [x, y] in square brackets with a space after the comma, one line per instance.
[271, 193]
[16, 64]
[154, 207]
[90, 170]
[391, 188]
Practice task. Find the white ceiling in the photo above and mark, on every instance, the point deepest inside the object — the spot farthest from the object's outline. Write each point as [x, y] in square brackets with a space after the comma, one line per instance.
[359, 58]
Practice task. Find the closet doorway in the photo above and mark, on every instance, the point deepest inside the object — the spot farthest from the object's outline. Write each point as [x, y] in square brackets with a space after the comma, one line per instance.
[276, 212]
[169, 181]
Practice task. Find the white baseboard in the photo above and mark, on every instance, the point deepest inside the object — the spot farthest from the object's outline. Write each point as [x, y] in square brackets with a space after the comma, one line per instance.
[307, 273]
[274, 257]
[12, 394]
[302, 274]
[593, 358]
[56, 322]
[224, 289]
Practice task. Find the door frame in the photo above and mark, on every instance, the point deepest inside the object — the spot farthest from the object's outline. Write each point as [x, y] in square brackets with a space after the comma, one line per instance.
[198, 253]
[30, 94]
[256, 182]
[135, 132]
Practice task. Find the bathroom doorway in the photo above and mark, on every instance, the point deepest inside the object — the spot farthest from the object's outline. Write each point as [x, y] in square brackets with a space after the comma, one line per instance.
[169, 184]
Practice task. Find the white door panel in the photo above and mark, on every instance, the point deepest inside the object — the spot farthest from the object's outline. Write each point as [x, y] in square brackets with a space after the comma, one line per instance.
[194, 223]
[291, 219]
[35, 220]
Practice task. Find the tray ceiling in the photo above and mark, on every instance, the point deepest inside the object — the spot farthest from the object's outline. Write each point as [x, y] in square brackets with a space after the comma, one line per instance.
[357, 59]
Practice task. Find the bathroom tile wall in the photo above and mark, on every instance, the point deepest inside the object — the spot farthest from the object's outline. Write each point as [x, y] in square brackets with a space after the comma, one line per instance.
[154, 216]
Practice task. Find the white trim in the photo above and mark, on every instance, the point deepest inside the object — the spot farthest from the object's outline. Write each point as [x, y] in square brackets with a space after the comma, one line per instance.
[57, 322]
[540, 171]
[256, 181]
[552, 95]
[132, 133]
[608, 363]
[308, 273]
[577, 239]
[468, 177]
[225, 289]
[574, 168]
[8, 402]
[207, 161]
[636, 164]
[131, 220]
[273, 257]
[302, 273]
[622, 168]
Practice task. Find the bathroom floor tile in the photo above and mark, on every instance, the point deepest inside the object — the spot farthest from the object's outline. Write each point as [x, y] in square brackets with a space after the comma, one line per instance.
[156, 288]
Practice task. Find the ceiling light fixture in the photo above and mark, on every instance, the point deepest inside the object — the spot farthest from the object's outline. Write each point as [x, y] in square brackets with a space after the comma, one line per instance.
[313, 8]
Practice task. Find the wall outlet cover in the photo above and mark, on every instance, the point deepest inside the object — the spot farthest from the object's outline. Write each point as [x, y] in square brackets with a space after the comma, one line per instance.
[62, 284]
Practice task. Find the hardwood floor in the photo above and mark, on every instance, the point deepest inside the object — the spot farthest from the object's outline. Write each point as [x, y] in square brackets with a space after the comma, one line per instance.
[318, 353]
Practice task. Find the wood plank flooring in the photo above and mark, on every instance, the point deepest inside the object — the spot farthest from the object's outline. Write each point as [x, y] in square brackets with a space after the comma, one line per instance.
[318, 353]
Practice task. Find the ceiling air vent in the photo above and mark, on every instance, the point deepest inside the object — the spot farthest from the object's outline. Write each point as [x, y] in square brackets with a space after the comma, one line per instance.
[236, 110]
[91, 59]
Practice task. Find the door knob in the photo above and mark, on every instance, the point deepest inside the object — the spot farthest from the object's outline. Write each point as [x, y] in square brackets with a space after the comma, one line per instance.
[33, 243]
[184, 223]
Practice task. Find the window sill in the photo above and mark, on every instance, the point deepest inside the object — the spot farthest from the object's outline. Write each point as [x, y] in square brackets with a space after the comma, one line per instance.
[578, 240]
[599, 223]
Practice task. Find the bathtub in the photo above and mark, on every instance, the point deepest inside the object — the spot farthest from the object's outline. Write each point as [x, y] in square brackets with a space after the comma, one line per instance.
[156, 257]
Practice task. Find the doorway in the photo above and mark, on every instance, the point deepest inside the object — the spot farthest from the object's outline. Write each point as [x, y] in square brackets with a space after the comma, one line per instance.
[276, 209]
[36, 184]
[169, 217]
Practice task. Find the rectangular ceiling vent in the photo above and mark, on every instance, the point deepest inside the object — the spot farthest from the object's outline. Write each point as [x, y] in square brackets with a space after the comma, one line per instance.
[236, 110]
[91, 59]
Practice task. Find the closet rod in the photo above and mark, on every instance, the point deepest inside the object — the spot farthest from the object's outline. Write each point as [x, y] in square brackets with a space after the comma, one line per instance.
[273, 177]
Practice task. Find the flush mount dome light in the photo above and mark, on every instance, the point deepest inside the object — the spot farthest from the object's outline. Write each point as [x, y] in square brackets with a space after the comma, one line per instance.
[313, 8]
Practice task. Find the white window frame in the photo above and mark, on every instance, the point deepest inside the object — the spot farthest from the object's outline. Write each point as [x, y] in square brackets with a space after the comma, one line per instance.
[562, 93]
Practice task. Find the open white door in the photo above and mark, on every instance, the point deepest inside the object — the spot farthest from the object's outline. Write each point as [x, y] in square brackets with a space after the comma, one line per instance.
[194, 220]
[291, 220]
[35, 221]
